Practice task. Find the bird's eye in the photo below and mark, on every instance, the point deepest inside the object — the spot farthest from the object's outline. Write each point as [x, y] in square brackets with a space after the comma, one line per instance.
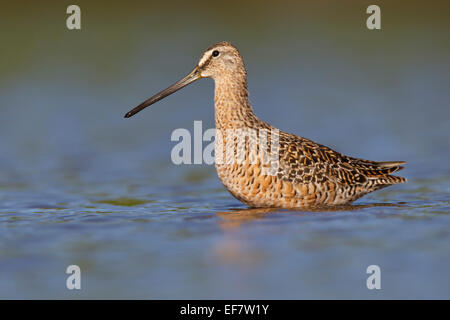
[215, 53]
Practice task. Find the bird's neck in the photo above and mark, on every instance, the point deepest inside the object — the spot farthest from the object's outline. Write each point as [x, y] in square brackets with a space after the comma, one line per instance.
[232, 107]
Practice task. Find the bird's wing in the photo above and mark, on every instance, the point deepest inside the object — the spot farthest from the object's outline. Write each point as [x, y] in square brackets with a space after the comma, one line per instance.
[304, 161]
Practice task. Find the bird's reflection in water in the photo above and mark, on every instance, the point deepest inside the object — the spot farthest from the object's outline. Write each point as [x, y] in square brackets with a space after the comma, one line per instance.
[234, 218]
[235, 247]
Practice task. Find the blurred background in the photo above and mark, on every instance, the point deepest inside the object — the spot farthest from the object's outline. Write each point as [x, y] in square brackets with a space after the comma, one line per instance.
[79, 184]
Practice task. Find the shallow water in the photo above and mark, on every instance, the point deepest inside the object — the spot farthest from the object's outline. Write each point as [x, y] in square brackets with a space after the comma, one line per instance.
[197, 242]
[81, 185]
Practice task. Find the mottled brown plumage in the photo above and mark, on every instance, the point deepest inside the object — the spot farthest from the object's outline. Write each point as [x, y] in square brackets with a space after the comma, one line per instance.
[305, 174]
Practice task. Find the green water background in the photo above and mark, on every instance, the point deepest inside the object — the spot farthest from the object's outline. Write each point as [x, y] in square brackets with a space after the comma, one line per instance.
[81, 185]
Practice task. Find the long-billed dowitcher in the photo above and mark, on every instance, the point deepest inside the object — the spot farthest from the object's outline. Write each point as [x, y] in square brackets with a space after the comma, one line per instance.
[307, 174]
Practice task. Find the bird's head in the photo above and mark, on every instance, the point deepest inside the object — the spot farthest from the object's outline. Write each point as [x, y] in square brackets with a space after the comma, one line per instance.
[220, 61]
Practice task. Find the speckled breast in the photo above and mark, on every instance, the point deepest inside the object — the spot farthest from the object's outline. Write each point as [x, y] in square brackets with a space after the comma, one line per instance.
[253, 181]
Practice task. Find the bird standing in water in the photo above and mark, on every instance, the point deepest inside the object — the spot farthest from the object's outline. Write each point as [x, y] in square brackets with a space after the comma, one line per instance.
[306, 174]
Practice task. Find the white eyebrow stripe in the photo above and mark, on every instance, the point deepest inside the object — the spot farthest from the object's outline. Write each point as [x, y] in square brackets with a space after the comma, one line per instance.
[204, 58]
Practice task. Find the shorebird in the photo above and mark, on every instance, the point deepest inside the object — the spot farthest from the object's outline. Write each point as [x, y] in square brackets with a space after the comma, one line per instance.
[306, 175]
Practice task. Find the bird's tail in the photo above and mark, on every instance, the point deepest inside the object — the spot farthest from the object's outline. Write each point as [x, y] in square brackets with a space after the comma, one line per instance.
[379, 172]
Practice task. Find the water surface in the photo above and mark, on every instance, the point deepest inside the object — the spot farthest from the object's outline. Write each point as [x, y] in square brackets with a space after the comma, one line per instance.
[81, 185]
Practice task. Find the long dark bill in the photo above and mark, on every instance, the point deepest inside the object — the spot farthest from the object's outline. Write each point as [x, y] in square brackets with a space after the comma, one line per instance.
[191, 77]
